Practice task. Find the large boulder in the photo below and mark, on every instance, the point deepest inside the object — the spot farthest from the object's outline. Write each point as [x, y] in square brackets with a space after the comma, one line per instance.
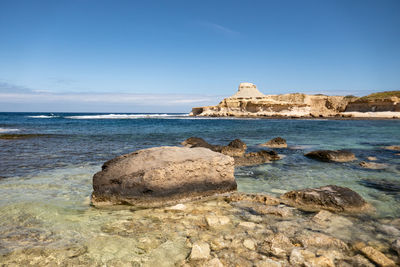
[163, 176]
[277, 142]
[330, 197]
[331, 155]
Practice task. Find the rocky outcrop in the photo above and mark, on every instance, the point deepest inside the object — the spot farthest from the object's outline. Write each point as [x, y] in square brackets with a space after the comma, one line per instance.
[235, 149]
[331, 155]
[330, 197]
[277, 142]
[373, 165]
[163, 175]
[249, 102]
[395, 148]
[256, 158]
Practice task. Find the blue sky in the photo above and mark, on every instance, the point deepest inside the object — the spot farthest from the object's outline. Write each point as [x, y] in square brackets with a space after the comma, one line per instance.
[167, 56]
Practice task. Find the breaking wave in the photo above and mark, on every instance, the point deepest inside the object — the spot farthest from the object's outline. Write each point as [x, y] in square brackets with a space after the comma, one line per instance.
[126, 116]
[5, 130]
[43, 116]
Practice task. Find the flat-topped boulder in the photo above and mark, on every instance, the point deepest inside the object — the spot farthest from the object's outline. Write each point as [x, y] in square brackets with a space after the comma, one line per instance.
[331, 155]
[163, 176]
[330, 197]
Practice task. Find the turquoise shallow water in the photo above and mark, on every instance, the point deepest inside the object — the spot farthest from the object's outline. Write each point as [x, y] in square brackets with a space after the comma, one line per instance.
[46, 180]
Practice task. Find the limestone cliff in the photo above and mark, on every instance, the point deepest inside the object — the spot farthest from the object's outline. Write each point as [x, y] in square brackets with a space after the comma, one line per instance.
[249, 102]
[378, 102]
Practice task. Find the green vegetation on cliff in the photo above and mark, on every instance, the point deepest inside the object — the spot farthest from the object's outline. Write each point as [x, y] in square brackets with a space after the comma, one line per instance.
[381, 95]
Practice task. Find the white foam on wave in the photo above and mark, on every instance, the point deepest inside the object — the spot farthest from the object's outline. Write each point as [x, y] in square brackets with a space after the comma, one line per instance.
[43, 116]
[126, 116]
[5, 130]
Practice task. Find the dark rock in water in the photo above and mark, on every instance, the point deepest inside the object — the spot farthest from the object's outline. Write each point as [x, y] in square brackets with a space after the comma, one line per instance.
[331, 155]
[200, 142]
[373, 165]
[382, 185]
[237, 143]
[330, 197]
[277, 142]
[162, 176]
[236, 148]
[256, 158]
[20, 136]
[395, 148]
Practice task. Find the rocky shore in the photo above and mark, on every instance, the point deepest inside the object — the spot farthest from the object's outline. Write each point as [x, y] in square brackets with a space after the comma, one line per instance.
[212, 225]
[249, 102]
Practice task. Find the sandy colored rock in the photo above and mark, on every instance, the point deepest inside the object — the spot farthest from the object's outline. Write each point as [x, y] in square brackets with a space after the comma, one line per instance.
[249, 225]
[277, 245]
[281, 210]
[299, 256]
[373, 165]
[320, 262]
[249, 244]
[277, 142]
[216, 221]
[372, 158]
[200, 251]
[312, 239]
[214, 263]
[163, 176]
[378, 257]
[331, 155]
[395, 148]
[269, 263]
[252, 197]
[330, 197]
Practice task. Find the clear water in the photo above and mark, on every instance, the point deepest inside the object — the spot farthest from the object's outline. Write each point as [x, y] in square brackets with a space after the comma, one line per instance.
[45, 180]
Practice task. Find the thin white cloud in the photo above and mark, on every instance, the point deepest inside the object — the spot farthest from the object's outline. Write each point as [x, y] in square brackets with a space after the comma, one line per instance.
[110, 98]
[219, 28]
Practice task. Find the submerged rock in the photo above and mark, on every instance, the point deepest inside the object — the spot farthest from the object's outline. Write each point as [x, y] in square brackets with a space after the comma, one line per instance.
[330, 197]
[382, 185]
[163, 176]
[396, 246]
[200, 251]
[331, 155]
[376, 256]
[373, 165]
[277, 142]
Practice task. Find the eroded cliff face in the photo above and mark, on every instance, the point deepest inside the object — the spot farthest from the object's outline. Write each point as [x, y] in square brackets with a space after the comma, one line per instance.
[292, 105]
[374, 105]
[249, 102]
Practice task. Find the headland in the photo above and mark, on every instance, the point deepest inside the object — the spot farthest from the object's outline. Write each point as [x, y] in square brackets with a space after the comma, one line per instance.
[248, 101]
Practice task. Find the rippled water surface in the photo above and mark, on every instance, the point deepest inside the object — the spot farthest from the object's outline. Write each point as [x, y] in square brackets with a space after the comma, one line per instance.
[45, 179]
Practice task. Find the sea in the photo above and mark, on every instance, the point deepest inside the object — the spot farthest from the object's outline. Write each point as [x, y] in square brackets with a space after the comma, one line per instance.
[46, 176]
